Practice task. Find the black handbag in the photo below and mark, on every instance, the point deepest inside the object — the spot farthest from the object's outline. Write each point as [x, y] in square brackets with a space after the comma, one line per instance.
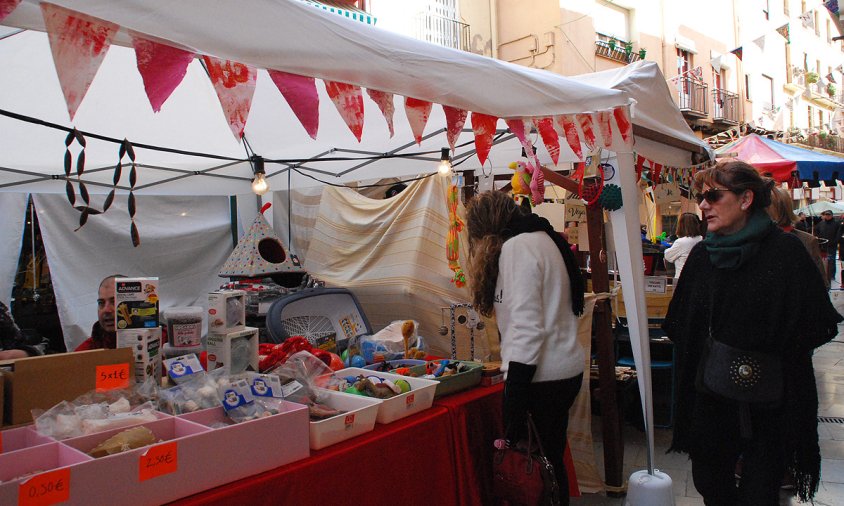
[522, 475]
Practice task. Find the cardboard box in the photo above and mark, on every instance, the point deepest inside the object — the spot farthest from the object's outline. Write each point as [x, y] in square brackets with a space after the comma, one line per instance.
[226, 311]
[136, 303]
[236, 351]
[146, 347]
[42, 382]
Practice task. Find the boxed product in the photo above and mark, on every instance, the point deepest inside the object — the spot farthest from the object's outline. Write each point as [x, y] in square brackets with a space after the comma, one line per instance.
[180, 368]
[146, 346]
[136, 303]
[235, 351]
[226, 311]
[184, 325]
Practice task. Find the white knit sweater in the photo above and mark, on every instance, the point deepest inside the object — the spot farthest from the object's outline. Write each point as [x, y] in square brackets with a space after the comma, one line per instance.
[533, 308]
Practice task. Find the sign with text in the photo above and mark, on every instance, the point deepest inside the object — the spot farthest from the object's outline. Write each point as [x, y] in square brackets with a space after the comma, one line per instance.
[666, 193]
[46, 488]
[575, 210]
[158, 460]
[112, 376]
[655, 284]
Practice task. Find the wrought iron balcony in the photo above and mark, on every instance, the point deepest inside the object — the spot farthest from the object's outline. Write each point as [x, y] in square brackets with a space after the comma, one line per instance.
[725, 107]
[616, 52]
[443, 31]
[693, 96]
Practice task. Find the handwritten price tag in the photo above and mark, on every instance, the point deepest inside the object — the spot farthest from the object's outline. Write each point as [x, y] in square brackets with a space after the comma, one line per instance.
[158, 460]
[110, 377]
[45, 488]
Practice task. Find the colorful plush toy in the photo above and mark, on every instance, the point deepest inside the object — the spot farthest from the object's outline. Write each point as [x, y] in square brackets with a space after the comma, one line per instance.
[520, 182]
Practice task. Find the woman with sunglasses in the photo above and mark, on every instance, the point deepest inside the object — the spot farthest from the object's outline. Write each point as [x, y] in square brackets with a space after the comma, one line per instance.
[688, 234]
[524, 271]
[750, 289]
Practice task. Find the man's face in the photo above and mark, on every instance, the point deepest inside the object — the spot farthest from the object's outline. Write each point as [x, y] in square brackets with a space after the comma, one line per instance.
[105, 306]
[827, 216]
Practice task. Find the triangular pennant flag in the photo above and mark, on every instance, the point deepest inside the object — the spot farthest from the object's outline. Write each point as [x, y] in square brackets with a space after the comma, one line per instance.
[454, 120]
[716, 63]
[235, 85]
[656, 170]
[784, 31]
[348, 99]
[566, 124]
[760, 42]
[162, 68]
[640, 165]
[521, 130]
[417, 112]
[385, 104]
[259, 253]
[79, 44]
[301, 95]
[830, 77]
[585, 122]
[549, 137]
[483, 127]
[623, 123]
[6, 7]
[738, 52]
[605, 127]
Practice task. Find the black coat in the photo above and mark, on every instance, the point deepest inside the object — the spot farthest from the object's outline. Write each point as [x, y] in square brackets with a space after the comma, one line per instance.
[831, 231]
[777, 303]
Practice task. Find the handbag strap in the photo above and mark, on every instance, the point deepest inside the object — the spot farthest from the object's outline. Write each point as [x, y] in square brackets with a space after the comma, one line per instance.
[533, 433]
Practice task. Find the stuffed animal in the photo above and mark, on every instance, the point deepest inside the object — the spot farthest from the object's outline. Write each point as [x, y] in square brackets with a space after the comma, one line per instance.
[520, 182]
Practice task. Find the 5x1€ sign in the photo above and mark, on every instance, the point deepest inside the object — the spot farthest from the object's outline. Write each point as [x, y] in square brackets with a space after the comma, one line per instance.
[112, 376]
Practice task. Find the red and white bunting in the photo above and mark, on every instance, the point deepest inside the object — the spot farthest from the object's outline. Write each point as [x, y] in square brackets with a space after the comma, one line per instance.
[79, 44]
[417, 112]
[385, 103]
[348, 99]
[301, 95]
[6, 7]
[566, 124]
[549, 135]
[640, 165]
[605, 127]
[235, 85]
[586, 126]
[162, 68]
[483, 127]
[654, 174]
[454, 121]
[623, 122]
[521, 129]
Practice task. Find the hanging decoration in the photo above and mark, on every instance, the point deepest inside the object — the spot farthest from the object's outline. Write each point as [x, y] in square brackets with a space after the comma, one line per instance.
[537, 182]
[301, 95]
[483, 127]
[605, 127]
[78, 43]
[452, 247]
[569, 130]
[784, 31]
[610, 198]
[738, 52]
[385, 104]
[585, 122]
[162, 68]
[348, 100]
[235, 85]
[624, 125]
[550, 138]
[454, 121]
[6, 7]
[520, 182]
[417, 112]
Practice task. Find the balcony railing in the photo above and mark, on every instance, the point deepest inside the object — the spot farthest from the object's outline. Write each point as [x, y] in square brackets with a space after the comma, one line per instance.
[443, 31]
[830, 142]
[725, 106]
[616, 53]
[693, 96]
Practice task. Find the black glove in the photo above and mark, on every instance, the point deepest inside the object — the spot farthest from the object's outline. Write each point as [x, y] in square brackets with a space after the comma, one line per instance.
[516, 400]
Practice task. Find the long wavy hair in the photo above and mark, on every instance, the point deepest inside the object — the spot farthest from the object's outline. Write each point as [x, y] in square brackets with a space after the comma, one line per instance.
[487, 217]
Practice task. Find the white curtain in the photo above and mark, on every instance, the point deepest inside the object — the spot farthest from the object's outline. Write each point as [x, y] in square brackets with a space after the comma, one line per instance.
[13, 211]
[304, 207]
[184, 242]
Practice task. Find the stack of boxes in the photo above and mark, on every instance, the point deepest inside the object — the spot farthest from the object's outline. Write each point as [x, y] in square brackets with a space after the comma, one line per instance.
[137, 322]
[230, 343]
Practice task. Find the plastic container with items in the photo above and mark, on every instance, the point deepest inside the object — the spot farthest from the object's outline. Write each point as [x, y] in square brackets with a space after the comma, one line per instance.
[452, 375]
[184, 326]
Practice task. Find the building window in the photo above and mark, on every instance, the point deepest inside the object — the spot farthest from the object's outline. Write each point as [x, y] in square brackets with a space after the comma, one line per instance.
[439, 23]
[766, 9]
[768, 89]
[747, 87]
[828, 32]
[817, 23]
[611, 22]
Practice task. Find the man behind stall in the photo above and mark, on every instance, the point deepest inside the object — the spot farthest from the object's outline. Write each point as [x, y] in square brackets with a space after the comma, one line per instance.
[103, 334]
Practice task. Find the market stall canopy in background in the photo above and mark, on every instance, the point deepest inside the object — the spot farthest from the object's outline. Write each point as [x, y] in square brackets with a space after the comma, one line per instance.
[780, 159]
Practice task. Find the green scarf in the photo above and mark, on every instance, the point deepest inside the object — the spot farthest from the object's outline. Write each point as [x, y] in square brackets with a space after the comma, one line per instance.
[732, 251]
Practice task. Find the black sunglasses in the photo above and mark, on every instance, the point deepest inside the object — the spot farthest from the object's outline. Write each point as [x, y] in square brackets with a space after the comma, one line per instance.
[711, 195]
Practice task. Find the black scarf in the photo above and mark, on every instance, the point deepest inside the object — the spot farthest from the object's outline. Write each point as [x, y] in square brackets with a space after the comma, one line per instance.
[522, 223]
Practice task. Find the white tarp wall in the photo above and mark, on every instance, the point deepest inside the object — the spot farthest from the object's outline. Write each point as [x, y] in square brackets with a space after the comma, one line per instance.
[13, 211]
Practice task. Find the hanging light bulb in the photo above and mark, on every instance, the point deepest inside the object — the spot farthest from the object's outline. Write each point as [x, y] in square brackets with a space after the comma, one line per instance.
[444, 167]
[259, 182]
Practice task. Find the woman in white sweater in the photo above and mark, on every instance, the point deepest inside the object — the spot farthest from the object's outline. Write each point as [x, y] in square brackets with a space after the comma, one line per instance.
[526, 272]
[689, 233]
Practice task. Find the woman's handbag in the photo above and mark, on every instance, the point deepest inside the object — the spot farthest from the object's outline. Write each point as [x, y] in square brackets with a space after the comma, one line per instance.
[742, 376]
[523, 475]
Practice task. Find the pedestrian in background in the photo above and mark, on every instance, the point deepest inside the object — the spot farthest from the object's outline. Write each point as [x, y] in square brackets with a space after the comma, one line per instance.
[828, 230]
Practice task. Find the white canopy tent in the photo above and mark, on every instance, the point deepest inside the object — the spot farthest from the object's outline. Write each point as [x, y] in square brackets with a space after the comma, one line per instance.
[294, 37]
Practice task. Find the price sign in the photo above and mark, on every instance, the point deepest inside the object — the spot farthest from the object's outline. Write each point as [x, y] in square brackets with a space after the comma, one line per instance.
[46, 488]
[158, 460]
[112, 376]
[575, 210]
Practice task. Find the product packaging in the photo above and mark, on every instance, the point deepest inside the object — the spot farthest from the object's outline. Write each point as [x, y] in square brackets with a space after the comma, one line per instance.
[235, 351]
[136, 303]
[146, 347]
[181, 368]
[184, 325]
[226, 311]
